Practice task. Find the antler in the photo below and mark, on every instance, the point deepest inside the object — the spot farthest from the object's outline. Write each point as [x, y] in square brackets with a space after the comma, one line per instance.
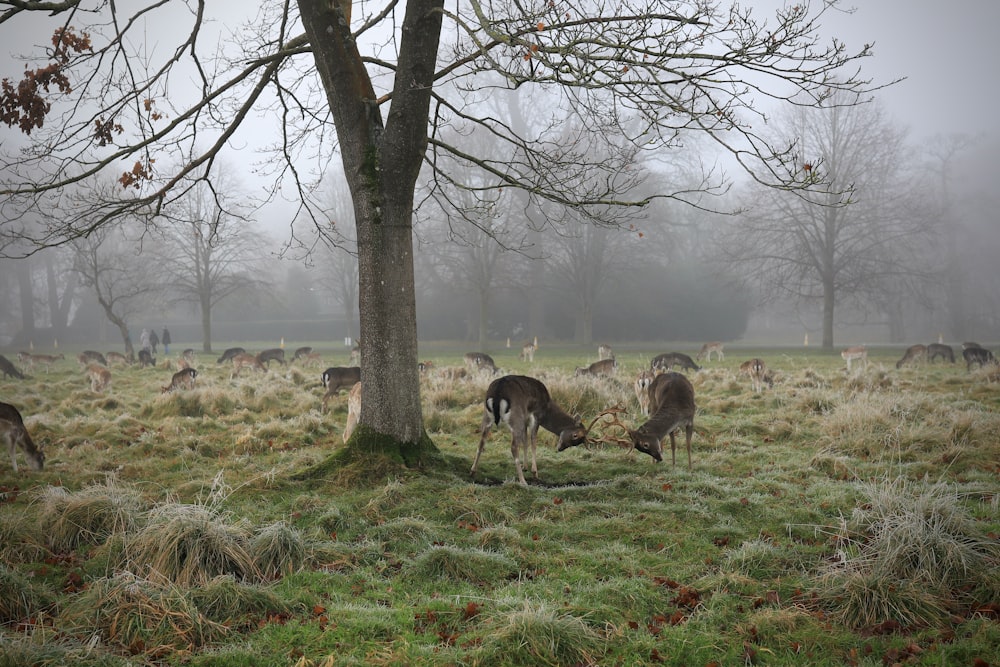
[612, 412]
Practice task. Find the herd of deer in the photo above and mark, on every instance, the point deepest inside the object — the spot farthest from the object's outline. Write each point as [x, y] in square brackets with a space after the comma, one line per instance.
[522, 403]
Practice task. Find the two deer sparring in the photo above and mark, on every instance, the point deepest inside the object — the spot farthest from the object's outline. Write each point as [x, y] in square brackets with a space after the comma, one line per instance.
[13, 431]
[524, 405]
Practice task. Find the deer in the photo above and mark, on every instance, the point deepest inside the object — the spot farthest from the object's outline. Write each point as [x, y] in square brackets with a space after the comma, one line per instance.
[46, 360]
[935, 350]
[604, 351]
[668, 360]
[528, 352]
[182, 379]
[8, 368]
[146, 358]
[273, 354]
[913, 354]
[353, 410]
[671, 403]
[977, 356]
[524, 404]
[229, 353]
[602, 368]
[244, 360]
[336, 378]
[12, 430]
[708, 348]
[100, 377]
[641, 386]
[301, 352]
[478, 362]
[756, 370]
[116, 359]
[90, 356]
[855, 353]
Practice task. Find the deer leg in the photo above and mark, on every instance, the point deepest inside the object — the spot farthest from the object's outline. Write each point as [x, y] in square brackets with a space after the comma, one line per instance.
[484, 433]
[534, 447]
[688, 431]
[673, 449]
[12, 449]
[517, 437]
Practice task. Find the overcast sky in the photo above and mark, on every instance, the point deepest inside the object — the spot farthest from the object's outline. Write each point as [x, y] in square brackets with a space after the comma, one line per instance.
[949, 52]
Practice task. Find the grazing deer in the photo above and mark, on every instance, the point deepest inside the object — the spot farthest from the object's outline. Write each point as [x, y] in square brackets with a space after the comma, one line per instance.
[229, 354]
[301, 352]
[100, 377]
[9, 369]
[668, 360]
[856, 353]
[913, 354]
[708, 348]
[604, 351]
[12, 430]
[602, 368]
[756, 370]
[46, 360]
[311, 359]
[182, 379]
[478, 362]
[425, 367]
[977, 356]
[146, 358]
[528, 352]
[353, 410]
[671, 402]
[453, 373]
[523, 404]
[273, 354]
[117, 359]
[969, 344]
[91, 357]
[337, 378]
[642, 382]
[244, 360]
[935, 350]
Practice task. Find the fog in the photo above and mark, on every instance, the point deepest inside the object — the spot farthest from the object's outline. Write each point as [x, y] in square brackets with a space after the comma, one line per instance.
[660, 278]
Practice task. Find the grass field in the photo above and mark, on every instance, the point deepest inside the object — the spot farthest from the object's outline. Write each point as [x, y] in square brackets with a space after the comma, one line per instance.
[836, 518]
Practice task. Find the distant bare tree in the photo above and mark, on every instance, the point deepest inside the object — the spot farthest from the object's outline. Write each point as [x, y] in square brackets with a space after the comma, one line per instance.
[209, 254]
[862, 238]
[110, 262]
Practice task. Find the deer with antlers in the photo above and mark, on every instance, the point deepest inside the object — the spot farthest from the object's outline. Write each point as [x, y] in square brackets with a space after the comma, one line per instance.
[641, 386]
[671, 402]
[524, 404]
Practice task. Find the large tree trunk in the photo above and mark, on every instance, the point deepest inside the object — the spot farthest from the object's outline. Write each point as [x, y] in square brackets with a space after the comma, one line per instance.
[381, 163]
[829, 300]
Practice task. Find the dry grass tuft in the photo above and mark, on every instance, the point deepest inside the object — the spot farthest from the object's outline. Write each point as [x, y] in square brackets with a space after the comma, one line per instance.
[141, 616]
[20, 599]
[91, 515]
[455, 564]
[278, 550]
[909, 553]
[538, 635]
[190, 545]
